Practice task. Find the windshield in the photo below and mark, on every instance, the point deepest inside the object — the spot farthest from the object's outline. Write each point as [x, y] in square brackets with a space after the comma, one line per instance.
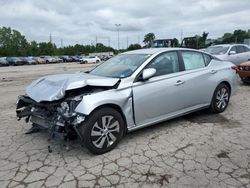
[217, 50]
[120, 66]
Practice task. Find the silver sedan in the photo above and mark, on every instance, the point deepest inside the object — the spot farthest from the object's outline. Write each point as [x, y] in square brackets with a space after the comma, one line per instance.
[235, 53]
[128, 92]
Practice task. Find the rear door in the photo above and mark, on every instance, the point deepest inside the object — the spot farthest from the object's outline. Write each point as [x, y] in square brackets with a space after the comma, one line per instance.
[199, 85]
[242, 54]
[247, 52]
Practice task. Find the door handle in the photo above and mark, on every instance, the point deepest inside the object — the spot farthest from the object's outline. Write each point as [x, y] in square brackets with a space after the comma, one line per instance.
[179, 82]
[213, 71]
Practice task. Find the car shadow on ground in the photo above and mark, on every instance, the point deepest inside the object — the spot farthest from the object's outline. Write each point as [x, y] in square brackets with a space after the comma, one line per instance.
[200, 117]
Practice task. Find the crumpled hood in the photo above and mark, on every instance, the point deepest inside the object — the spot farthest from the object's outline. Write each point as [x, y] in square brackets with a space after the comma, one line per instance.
[53, 87]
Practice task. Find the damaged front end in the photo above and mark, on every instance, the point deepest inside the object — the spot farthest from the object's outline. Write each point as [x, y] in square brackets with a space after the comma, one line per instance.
[50, 102]
[58, 117]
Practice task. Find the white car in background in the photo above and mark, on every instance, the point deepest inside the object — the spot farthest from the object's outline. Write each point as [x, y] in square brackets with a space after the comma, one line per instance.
[90, 59]
[235, 53]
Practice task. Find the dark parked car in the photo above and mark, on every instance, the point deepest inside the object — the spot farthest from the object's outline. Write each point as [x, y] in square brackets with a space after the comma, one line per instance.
[29, 60]
[3, 61]
[15, 61]
[75, 58]
[66, 58]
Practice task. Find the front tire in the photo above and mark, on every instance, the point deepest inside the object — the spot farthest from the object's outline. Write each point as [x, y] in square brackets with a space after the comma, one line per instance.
[220, 98]
[103, 130]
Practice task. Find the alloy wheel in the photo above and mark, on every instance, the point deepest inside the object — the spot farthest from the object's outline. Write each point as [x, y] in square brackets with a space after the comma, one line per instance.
[222, 98]
[105, 131]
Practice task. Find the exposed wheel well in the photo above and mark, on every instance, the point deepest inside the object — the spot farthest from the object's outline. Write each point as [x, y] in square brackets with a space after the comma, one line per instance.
[227, 84]
[118, 109]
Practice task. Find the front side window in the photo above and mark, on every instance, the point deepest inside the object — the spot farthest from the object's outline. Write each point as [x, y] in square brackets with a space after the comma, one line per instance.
[233, 49]
[166, 63]
[193, 60]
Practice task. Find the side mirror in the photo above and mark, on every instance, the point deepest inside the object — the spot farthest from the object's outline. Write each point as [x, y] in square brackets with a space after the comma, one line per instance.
[232, 52]
[148, 73]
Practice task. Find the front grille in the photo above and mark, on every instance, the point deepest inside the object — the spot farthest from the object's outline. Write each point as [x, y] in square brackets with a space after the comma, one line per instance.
[244, 68]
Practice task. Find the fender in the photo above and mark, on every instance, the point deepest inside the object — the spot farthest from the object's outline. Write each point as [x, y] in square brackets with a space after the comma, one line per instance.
[119, 97]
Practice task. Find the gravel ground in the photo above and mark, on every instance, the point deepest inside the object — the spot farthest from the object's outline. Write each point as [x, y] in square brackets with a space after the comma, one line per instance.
[197, 150]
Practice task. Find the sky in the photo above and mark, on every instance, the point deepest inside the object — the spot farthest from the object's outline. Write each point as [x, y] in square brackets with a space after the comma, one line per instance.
[90, 21]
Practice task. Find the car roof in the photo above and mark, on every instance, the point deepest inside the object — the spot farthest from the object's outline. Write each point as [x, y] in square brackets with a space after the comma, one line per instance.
[156, 50]
[229, 45]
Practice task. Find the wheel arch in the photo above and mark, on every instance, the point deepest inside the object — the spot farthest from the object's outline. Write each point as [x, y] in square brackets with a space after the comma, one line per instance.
[115, 107]
[227, 84]
[221, 82]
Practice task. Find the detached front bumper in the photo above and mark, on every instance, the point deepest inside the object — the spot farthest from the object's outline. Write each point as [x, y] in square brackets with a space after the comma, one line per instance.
[54, 116]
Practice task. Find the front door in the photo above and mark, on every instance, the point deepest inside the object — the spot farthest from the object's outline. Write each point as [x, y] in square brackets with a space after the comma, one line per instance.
[157, 96]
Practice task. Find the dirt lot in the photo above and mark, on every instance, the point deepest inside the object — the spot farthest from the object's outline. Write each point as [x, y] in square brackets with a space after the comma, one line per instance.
[198, 150]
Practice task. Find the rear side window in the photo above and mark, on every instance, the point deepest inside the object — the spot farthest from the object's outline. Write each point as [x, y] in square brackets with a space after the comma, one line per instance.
[246, 49]
[240, 49]
[193, 60]
[207, 59]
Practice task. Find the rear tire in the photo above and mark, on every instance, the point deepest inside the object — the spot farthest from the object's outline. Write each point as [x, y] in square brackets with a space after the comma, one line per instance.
[220, 98]
[102, 130]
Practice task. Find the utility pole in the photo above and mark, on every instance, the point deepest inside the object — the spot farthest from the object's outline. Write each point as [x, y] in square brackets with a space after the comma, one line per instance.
[109, 41]
[50, 38]
[96, 41]
[118, 29]
[181, 35]
[127, 41]
[138, 39]
[61, 43]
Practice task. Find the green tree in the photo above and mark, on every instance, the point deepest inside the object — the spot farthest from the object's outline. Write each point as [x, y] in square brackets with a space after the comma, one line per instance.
[47, 48]
[202, 40]
[148, 39]
[175, 42]
[240, 35]
[12, 43]
[228, 38]
[33, 49]
[134, 47]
